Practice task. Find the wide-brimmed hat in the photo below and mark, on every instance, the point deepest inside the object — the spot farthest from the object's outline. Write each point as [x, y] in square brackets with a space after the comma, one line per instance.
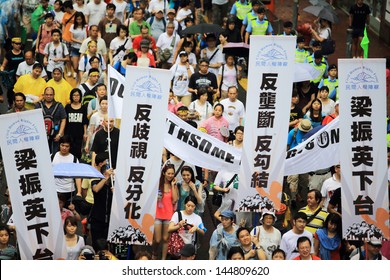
[267, 212]
[305, 126]
[228, 214]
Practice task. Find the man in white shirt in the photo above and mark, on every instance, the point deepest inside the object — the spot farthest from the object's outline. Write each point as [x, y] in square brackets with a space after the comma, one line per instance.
[213, 54]
[97, 11]
[289, 239]
[329, 186]
[25, 67]
[168, 39]
[66, 186]
[234, 110]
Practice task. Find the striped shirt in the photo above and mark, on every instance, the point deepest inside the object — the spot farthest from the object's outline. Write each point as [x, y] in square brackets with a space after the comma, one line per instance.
[318, 220]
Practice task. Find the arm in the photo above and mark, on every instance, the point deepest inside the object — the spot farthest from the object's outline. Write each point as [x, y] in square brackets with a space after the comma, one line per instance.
[96, 188]
[78, 186]
[175, 192]
[111, 56]
[332, 209]
[316, 247]
[4, 65]
[246, 37]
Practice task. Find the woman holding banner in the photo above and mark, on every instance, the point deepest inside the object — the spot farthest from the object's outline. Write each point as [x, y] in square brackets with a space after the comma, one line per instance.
[166, 204]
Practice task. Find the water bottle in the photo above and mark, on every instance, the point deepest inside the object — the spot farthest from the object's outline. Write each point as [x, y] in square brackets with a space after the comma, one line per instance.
[159, 199]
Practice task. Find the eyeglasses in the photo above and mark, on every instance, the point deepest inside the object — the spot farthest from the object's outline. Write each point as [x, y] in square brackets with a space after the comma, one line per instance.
[17, 43]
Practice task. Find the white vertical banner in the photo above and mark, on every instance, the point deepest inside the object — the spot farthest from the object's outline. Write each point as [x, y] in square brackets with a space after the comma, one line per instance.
[115, 90]
[270, 80]
[363, 157]
[145, 106]
[30, 179]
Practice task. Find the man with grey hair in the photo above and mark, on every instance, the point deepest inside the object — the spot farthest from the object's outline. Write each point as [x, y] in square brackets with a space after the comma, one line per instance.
[167, 40]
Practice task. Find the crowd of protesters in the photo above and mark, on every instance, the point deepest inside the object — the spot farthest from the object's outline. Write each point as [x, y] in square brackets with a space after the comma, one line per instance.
[65, 74]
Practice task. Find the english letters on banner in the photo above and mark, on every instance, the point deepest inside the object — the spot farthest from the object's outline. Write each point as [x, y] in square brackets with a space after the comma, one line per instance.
[363, 158]
[30, 176]
[270, 80]
[140, 146]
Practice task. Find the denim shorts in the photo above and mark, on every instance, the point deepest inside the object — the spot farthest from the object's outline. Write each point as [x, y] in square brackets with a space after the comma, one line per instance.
[74, 51]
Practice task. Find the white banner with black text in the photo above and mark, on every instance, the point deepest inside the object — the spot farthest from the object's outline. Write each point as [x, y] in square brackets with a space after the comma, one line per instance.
[36, 214]
[363, 157]
[139, 155]
[115, 90]
[270, 81]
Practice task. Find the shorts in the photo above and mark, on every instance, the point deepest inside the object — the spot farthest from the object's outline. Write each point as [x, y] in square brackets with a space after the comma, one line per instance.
[356, 33]
[68, 45]
[74, 52]
[161, 222]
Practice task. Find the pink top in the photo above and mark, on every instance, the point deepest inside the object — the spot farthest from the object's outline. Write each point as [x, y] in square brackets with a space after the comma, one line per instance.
[173, 107]
[45, 38]
[213, 125]
[166, 211]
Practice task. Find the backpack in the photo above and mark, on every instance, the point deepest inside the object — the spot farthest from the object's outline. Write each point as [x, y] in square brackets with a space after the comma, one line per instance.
[89, 94]
[328, 46]
[48, 118]
[163, 19]
[86, 61]
[62, 47]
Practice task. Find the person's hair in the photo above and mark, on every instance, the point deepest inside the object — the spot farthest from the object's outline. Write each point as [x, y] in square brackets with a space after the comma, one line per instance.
[6, 228]
[83, 21]
[334, 219]
[186, 44]
[91, 42]
[189, 169]
[54, 93]
[124, 28]
[171, 24]
[49, 15]
[70, 220]
[68, 4]
[191, 198]
[300, 215]
[324, 88]
[162, 176]
[241, 229]
[287, 24]
[19, 94]
[184, 3]
[56, 31]
[101, 85]
[144, 26]
[317, 195]
[93, 58]
[132, 56]
[234, 250]
[141, 254]
[136, 9]
[240, 127]
[101, 157]
[101, 244]
[303, 239]
[278, 250]
[93, 70]
[93, 26]
[202, 90]
[229, 55]
[110, 6]
[65, 140]
[187, 20]
[232, 87]
[103, 98]
[220, 105]
[37, 65]
[203, 60]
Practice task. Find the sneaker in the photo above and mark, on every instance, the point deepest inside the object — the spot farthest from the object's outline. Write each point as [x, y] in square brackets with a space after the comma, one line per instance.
[69, 74]
[75, 75]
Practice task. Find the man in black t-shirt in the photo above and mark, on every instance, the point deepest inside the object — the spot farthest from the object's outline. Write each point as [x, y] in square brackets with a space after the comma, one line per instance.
[295, 113]
[203, 78]
[359, 18]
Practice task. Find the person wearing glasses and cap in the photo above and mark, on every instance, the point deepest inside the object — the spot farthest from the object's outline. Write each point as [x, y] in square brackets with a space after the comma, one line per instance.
[269, 236]
[370, 251]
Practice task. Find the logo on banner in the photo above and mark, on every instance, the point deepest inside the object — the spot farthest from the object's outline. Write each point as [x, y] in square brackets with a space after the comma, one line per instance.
[21, 131]
[272, 55]
[362, 78]
[146, 86]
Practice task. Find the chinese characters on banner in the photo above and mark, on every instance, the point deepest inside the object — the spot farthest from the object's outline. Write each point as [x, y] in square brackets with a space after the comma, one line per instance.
[139, 155]
[30, 178]
[270, 80]
[364, 192]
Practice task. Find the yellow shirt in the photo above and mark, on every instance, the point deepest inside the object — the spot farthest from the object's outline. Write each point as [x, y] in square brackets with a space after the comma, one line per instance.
[61, 89]
[28, 85]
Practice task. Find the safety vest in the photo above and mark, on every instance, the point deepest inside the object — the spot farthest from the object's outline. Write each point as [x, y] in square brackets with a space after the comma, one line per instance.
[259, 28]
[332, 85]
[310, 58]
[301, 55]
[322, 68]
[251, 16]
[243, 9]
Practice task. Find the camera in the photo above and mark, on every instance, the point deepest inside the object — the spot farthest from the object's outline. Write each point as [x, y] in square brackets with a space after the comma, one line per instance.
[102, 255]
[89, 256]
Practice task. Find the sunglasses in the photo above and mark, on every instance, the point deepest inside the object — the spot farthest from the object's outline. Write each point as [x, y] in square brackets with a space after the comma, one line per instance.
[17, 43]
[55, 52]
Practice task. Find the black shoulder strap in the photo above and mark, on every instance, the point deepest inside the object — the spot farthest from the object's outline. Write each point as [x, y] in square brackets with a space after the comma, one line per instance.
[74, 159]
[180, 167]
[52, 156]
[121, 48]
[180, 217]
[311, 218]
[231, 180]
[212, 56]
